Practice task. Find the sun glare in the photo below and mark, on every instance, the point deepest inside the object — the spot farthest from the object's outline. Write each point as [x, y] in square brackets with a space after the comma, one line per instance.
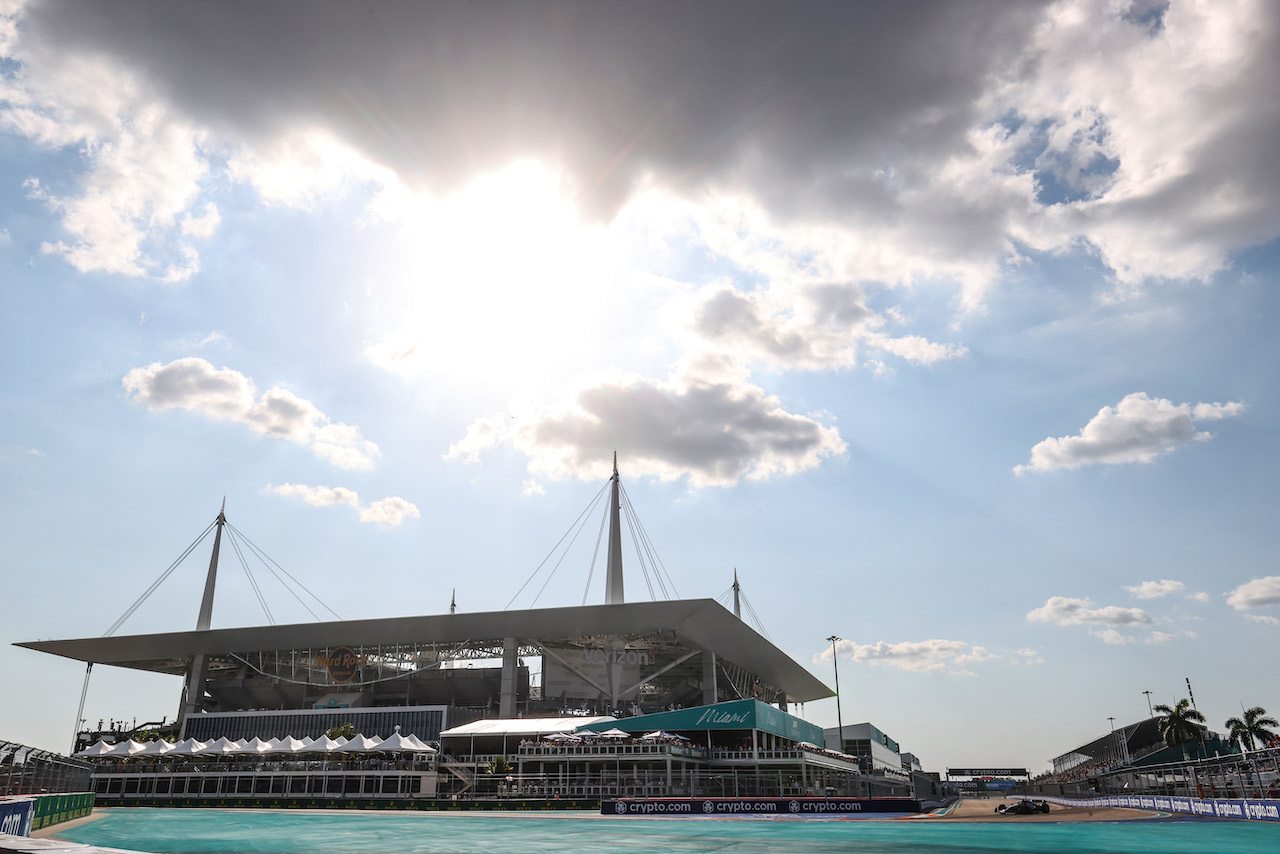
[501, 283]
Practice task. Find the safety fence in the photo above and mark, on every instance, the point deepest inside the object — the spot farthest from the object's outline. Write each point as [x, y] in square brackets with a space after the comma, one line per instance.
[31, 771]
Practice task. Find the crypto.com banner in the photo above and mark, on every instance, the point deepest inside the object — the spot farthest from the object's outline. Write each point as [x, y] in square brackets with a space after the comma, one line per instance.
[756, 806]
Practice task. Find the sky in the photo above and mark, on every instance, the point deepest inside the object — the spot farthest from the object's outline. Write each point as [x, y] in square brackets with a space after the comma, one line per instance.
[949, 326]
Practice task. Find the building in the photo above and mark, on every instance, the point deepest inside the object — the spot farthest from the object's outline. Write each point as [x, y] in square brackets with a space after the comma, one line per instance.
[878, 756]
[428, 675]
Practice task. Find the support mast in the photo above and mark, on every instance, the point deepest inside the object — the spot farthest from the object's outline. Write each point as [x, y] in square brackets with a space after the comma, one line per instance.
[198, 671]
[206, 604]
[613, 580]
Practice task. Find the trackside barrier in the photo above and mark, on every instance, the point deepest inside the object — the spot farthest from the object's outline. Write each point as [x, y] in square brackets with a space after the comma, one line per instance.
[755, 806]
[16, 815]
[1245, 808]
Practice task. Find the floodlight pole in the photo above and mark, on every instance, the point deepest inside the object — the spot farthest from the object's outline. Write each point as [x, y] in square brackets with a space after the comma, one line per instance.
[835, 660]
[1150, 711]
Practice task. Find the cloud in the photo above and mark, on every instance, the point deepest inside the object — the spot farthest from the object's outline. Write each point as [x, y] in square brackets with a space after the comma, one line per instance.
[1138, 124]
[930, 140]
[1198, 597]
[223, 394]
[389, 512]
[1155, 589]
[386, 513]
[1264, 619]
[1064, 611]
[202, 226]
[1256, 593]
[317, 496]
[1138, 430]
[1029, 656]
[145, 166]
[1112, 637]
[812, 327]
[918, 656]
[714, 429]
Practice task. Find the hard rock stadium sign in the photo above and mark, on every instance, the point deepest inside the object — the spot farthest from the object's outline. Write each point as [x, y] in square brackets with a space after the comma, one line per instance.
[341, 662]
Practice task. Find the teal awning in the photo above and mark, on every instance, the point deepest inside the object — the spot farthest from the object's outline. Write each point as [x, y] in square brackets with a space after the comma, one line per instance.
[735, 714]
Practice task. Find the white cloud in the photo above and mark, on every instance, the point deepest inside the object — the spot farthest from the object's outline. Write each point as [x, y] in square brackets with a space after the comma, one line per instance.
[305, 166]
[1138, 429]
[532, 487]
[1065, 611]
[386, 513]
[1264, 619]
[1112, 637]
[389, 512]
[1144, 125]
[317, 496]
[5, 237]
[1256, 593]
[814, 326]
[1155, 589]
[1198, 597]
[919, 656]
[144, 166]
[1029, 656]
[202, 226]
[223, 394]
[713, 428]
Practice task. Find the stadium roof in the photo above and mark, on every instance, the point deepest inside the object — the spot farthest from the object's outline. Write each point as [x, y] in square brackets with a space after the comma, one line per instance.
[702, 623]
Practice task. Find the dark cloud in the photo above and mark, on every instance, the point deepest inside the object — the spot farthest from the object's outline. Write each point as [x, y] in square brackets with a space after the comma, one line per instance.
[795, 99]
[713, 430]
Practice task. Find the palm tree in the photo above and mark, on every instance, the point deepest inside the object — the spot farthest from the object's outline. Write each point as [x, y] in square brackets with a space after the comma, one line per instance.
[1252, 728]
[1179, 724]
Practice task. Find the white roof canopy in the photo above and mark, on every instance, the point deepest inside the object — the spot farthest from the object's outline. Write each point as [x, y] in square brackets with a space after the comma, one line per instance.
[522, 726]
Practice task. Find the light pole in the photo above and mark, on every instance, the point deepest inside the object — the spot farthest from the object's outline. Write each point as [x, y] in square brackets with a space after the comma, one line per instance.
[1150, 711]
[1113, 734]
[835, 660]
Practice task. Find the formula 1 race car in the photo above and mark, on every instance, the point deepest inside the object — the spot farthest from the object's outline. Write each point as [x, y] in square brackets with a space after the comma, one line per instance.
[1023, 807]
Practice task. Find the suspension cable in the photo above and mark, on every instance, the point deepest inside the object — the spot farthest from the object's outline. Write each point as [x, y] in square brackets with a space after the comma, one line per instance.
[155, 584]
[563, 555]
[253, 582]
[595, 555]
[576, 523]
[755, 618]
[272, 566]
[659, 568]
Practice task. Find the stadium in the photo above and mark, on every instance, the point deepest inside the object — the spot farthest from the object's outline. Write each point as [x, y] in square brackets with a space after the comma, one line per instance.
[429, 677]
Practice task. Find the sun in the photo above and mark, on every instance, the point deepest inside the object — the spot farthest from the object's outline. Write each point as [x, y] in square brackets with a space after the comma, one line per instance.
[501, 282]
